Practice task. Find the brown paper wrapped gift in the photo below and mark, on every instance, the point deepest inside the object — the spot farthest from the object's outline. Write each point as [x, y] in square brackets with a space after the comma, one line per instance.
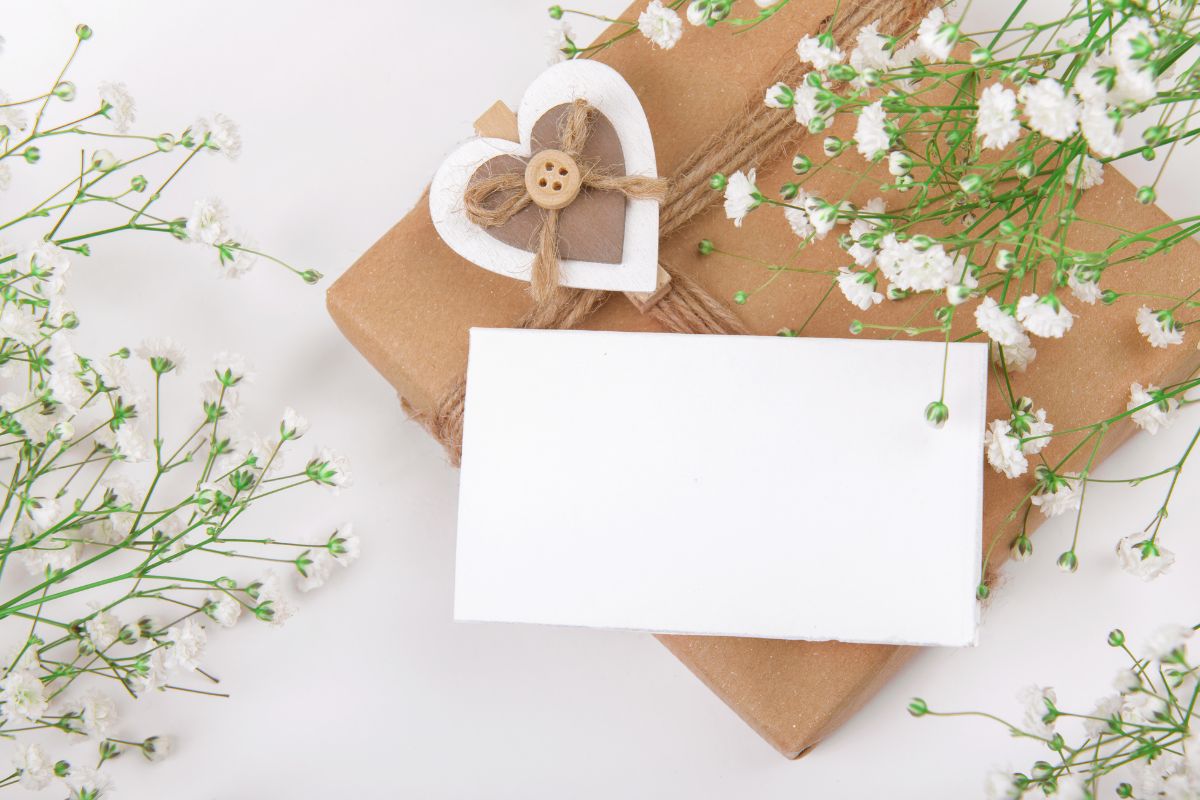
[408, 303]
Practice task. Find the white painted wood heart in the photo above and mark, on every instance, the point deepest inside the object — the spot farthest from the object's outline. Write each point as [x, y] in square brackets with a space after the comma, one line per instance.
[563, 83]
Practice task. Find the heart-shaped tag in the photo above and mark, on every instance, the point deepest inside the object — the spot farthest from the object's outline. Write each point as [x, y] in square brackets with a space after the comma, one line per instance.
[606, 240]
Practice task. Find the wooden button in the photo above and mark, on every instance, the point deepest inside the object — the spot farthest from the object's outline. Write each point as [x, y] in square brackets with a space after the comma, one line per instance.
[552, 179]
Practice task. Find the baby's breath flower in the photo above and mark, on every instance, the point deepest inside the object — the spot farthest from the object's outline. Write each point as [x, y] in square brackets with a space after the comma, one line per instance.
[1039, 710]
[156, 748]
[103, 629]
[741, 196]
[1001, 785]
[35, 770]
[1003, 449]
[273, 605]
[328, 468]
[23, 696]
[936, 35]
[219, 135]
[1085, 172]
[293, 425]
[779, 96]
[871, 135]
[1160, 412]
[222, 608]
[997, 123]
[314, 568]
[1126, 680]
[810, 109]
[559, 41]
[1142, 557]
[186, 642]
[1051, 111]
[873, 50]
[858, 288]
[164, 355]
[661, 25]
[1159, 327]
[344, 545]
[820, 51]
[1044, 316]
[117, 104]
[208, 222]
[1167, 640]
[231, 369]
[1062, 499]
[98, 714]
[1084, 285]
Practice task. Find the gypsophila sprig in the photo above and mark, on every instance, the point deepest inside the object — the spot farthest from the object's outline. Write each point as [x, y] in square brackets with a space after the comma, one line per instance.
[1142, 740]
[124, 543]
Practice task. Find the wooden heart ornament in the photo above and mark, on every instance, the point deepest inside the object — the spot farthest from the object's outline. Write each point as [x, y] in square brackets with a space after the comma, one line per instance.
[582, 164]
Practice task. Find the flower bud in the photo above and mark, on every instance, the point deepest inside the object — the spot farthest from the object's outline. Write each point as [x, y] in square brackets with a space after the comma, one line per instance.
[789, 190]
[138, 184]
[705, 247]
[899, 162]
[83, 32]
[1146, 195]
[1116, 637]
[1005, 260]
[982, 592]
[856, 327]
[981, 56]
[1022, 548]
[971, 184]
[740, 297]
[801, 164]
[32, 155]
[843, 72]
[833, 146]
[104, 160]
[1108, 297]
[718, 182]
[896, 293]
[871, 77]
[65, 91]
[918, 707]
[165, 143]
[156, 748]
[1068, 561]
[922, 242]
[1026, 168]
[555, 12]
[936, 413]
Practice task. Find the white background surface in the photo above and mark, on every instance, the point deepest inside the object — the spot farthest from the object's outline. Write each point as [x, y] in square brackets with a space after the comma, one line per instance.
[371, 691]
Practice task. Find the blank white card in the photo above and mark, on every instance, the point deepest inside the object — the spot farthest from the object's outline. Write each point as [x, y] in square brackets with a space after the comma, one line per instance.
[786, 488]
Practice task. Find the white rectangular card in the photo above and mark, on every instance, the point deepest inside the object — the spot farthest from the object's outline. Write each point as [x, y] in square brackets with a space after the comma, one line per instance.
[786, 488]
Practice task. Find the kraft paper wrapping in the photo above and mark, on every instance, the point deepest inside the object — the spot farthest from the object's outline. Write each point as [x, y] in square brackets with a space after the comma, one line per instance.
[408, 303]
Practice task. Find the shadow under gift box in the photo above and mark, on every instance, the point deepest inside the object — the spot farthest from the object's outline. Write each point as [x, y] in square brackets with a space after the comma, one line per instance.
[409, 302]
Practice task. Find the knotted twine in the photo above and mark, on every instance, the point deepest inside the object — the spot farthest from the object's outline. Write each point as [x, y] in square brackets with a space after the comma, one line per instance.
[573, 131]
[757, 135]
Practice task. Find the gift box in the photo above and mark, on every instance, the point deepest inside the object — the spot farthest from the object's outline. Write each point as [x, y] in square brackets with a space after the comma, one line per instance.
[407, 304]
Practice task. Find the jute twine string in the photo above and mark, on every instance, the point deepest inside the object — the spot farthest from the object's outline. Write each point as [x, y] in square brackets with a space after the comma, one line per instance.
[574, 129]
[756, 135]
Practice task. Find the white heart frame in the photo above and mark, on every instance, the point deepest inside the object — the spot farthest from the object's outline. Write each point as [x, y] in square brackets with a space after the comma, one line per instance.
[604, 88]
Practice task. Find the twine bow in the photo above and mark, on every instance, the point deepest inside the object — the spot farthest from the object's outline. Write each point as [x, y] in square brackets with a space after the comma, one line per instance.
[573, 131]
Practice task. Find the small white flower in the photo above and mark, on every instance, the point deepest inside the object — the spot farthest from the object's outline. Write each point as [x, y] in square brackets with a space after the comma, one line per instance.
[88, 782]
[1106, 708]
[99, 715]
[1159, 327]
[661, 25]
[1071, 787]
[223, 608]
[232, 369]
[859, 288]
[779, 95]
[1084, 287]
[1044, 316]
[798, 221]
[117, 104]
[1003, 449]
[235, 258]
[1085, 172]
[1016, 356]
[48, 262]
[20, 323]
[208, 222]
[936, 36]
[559, 38]
[1100, 130]
[871, 135]
[103, 629]
[1039, 428]
[1159, 414]
[810, 111]
[908, 267]
[344, 545]
[36, 770]
[293, 425]
[1000, 326]
[220, 135]
[165, 352]
[997, 123]
[1065, 498]
[273, 605]
[1167, 640]
[1126, 680]
[328, 468]
[872, 51]
[1143, 559]
[820, 51]
[741, 196]
[1038, 701]
[316, 572]
[1001, 785]
[1051, 111]
[23, 696]
[186, 644]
